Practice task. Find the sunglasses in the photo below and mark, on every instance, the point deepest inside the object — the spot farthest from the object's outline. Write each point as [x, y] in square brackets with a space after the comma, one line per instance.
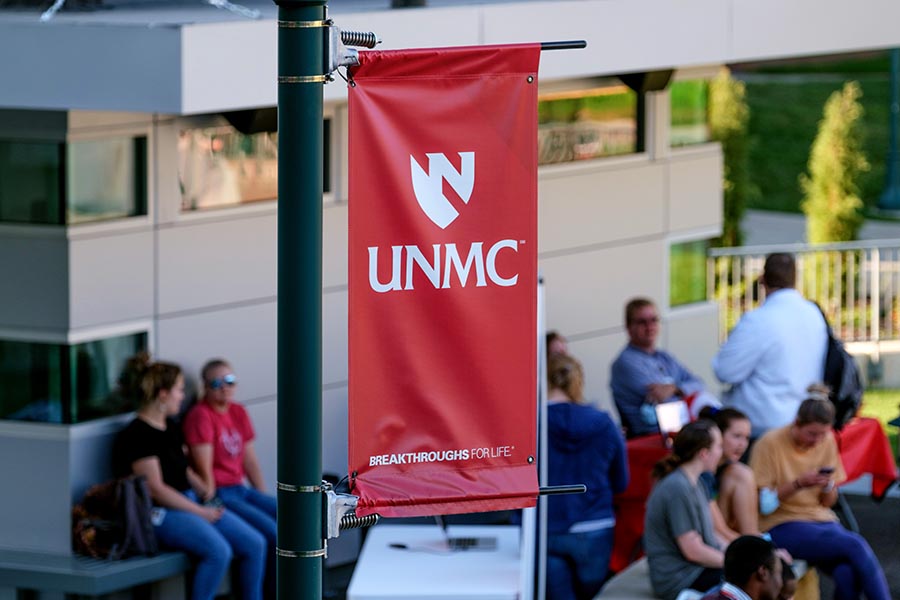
[221, 382]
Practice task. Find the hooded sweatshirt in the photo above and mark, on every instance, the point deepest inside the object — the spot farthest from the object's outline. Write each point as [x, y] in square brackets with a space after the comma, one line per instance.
[585, 447]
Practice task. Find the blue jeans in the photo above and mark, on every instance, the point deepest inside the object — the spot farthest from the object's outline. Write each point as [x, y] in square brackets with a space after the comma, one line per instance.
[844, 555]
[577, 563]
[213, 545]
[259, 511]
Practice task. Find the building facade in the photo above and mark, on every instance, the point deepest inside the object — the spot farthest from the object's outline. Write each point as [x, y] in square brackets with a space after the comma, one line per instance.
[138, 208]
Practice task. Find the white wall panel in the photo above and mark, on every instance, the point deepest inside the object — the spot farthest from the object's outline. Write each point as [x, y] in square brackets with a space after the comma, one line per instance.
[264, 416]
[334, 240]
[34, 281]
[335, 425]
[214, 262]
[245, 336]
[775, 28]
[592, 202]
[111, 278]
[334, 337]
[587, 291]
[691, 335]
[622, 36]
[596, 354]
[695, 190]
[36, 498]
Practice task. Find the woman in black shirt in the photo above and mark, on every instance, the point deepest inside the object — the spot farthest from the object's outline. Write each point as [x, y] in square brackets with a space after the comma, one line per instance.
[152, 446]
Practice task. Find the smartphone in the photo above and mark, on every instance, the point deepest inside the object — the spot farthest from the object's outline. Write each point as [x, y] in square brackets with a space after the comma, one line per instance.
[826, 470]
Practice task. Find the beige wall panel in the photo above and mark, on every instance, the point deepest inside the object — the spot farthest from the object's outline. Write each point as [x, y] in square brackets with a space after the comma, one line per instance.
[590, 203]
[596, 354]
[245, 336]
[334, 240]
[586, 292]
[695, 190]
[691, 335]
[215, 262]
[264, 416]
[34, 271]
[111, 278]
[335, 420]
[334, 337]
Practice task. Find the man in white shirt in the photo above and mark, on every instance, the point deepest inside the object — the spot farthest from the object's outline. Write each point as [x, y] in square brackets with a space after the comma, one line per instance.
[753, 571]
[775, 352]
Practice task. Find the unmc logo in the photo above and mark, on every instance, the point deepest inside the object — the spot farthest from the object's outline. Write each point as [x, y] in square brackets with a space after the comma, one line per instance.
[429, 187]
[445, 262]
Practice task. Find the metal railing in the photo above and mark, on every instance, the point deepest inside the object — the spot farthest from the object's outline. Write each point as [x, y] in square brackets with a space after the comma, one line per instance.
[857, 284]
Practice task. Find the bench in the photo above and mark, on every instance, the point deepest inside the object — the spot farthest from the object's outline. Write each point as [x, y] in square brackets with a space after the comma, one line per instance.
[64, 574]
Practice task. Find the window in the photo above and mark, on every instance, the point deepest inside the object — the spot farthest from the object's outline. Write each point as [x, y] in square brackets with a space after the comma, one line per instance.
[56, 183]
[587, 124]
[689, 109]
[687, 272]
[107, 179]
[57, 383]
[220, 166]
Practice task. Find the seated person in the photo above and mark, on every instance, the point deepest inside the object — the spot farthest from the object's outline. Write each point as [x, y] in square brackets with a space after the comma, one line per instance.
[220, 440]
[643, 376]
[788, 581]
[801, 462]
[753, 571]
[733, 485]
[152, 446]
[681, 545]
[584, 446]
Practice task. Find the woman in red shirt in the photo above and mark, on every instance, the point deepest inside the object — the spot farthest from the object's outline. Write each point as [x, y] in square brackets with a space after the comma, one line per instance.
[220, 438]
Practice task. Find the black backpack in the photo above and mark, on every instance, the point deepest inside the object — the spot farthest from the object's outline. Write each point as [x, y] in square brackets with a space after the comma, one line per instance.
[842, 376]
[113, 520]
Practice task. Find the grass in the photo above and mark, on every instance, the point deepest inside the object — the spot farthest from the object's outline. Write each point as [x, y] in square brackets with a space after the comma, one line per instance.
[883, 405]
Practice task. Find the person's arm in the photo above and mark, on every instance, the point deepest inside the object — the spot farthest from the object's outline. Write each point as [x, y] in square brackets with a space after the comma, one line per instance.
[744, 497]
[167, 496]
[687, 383]
[252, 469]
[202, 459]
[739, 355]
[691, 545]
[806, 480]
[725, 533]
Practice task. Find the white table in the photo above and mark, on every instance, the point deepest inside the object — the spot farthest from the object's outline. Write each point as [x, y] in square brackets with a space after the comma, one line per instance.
[426, 569]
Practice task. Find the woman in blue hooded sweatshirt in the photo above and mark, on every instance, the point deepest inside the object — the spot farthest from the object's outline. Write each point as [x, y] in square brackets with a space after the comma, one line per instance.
[586, 447]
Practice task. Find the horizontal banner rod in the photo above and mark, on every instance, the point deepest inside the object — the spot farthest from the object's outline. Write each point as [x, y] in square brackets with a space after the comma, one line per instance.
[568, 45]
[552, 490]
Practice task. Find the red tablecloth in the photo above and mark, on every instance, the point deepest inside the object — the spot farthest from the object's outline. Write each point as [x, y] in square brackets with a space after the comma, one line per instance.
[643, 453]
[865, 449]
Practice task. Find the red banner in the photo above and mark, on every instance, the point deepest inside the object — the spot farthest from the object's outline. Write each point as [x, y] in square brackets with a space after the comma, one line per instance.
[443, 276]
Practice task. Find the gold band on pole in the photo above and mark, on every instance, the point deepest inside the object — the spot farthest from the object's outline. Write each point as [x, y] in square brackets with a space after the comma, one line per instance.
[302, 79]
[302, 24]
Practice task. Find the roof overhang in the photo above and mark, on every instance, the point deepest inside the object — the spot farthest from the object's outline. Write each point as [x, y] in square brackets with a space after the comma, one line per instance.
[169, 61]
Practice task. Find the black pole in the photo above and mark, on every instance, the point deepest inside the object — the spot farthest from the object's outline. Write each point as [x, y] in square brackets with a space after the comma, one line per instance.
[301, 63]
[890, 198]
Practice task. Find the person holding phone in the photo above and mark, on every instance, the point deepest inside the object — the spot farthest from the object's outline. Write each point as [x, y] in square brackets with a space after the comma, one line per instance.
[801, 463]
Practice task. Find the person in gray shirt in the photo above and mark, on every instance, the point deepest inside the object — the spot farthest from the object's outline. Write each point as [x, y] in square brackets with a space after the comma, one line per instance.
[682, 549]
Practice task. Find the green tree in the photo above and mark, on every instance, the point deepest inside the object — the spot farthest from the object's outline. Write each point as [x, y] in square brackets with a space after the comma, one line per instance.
[728, 116]
[831, 199]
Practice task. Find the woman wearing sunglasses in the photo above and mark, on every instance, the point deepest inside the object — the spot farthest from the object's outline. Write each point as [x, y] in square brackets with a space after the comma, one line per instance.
[220, 439]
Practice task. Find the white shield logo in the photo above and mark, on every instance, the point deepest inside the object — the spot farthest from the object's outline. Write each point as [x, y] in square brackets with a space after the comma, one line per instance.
[429, 186]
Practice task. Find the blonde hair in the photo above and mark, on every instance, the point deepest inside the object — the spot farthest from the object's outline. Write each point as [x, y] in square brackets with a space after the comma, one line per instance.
[565, 373]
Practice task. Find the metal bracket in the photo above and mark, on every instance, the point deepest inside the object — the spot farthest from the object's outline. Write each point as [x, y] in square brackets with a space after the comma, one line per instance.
[337, 52]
